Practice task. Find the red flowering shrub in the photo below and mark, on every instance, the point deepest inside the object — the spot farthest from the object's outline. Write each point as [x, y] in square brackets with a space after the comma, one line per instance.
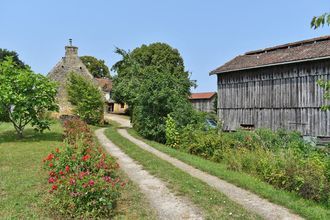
[83, 178]
[77, 129]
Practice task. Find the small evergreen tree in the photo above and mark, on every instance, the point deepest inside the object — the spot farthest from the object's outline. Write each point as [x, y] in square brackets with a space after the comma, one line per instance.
[87, 99]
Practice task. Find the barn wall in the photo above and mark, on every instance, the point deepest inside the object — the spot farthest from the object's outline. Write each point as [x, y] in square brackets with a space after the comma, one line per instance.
[204, 105]
[276, 97]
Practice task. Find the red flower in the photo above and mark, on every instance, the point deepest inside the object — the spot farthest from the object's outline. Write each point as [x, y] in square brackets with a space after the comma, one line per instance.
[50, 157]
[51, 180]
[51, 165]
[57, 150]
[86, 157]
[52, 173]
[107, 179]
[67, 168]
[54, 187]
[72, 181]
[61, 172]
[91, 182]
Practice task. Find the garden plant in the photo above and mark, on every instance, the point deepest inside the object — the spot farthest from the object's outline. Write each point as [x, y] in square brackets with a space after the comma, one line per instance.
[83, 179]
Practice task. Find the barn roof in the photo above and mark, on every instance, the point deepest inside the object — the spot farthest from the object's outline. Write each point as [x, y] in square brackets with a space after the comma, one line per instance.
[202, 95]
[104, 83]
[300, 51]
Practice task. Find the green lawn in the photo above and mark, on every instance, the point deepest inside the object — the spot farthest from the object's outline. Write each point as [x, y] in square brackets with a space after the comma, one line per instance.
[23, 182]
[305, 208]
[213, 203]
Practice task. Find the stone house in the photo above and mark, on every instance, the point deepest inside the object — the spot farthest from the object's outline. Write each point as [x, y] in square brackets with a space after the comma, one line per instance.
[203, 101]
[72, 63]
[276, 88]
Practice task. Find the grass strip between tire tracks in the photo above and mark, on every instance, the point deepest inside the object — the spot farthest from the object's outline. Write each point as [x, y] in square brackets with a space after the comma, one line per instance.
[213, 204]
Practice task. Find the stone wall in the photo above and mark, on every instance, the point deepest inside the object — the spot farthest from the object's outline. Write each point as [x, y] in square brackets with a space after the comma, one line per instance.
[70, 63]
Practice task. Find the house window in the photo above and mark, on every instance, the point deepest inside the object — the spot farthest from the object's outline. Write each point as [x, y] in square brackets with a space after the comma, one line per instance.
[122, 105]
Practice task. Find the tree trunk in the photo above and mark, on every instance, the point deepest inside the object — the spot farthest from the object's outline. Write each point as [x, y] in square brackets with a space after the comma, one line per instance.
[20, 133]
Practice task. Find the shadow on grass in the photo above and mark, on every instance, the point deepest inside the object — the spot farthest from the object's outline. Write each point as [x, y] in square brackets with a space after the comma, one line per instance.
[30, 135]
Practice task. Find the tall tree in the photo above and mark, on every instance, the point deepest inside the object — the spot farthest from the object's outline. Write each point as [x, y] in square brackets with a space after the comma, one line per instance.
[153, 81]
[96, 67]
[6, 53]
[25, 96]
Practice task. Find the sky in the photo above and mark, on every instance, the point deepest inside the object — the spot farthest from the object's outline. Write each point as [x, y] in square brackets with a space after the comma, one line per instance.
[207, 33]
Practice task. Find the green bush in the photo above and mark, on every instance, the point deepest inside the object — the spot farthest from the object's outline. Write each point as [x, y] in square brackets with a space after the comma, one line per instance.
[279, 158]
[4, 117]
[87, 99]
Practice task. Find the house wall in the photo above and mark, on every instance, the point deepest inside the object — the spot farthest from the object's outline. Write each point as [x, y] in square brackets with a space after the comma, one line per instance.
[119, 108]
[204, 105]
[285, 96]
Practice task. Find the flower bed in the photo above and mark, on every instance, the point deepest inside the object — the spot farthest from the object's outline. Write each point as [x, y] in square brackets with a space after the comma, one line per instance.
[82, 177]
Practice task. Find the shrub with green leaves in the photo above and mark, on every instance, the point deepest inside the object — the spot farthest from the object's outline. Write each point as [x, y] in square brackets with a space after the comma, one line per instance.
[83, 178]
[279, 158]
[86, 98]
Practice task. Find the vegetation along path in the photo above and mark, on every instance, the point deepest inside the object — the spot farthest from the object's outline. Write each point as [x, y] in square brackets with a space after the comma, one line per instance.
[243, 197]
[168, 205]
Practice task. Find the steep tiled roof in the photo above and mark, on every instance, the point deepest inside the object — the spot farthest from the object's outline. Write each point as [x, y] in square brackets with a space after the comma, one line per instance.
[312, 49]
[104, 83]
[202, 95]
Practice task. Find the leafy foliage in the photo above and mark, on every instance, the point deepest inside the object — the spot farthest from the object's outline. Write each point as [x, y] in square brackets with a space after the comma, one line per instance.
[87, 99]
[6, 53]
[96, 67]
[152, 81]
[280, 158]
[320, 21]
[25, 97]
[326, 86]
[83, 178]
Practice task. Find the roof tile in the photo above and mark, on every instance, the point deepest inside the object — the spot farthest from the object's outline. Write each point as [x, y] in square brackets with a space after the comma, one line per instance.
[292, 52]
[202, 95]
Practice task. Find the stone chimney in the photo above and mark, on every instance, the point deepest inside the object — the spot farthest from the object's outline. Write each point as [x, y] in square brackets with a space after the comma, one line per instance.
[71, 51]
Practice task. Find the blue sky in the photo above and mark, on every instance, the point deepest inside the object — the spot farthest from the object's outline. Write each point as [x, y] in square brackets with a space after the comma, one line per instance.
[207, 33]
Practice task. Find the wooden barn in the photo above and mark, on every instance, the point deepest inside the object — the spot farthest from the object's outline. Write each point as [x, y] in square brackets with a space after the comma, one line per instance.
[276, 88]
[204, 101]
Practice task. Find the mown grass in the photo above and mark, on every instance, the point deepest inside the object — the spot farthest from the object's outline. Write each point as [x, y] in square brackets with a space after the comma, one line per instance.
[303, 207]
[213, 204]
[23, 182]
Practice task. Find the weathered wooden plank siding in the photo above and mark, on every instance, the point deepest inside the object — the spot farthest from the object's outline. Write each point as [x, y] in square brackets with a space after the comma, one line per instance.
[204, 105]
[276, 97]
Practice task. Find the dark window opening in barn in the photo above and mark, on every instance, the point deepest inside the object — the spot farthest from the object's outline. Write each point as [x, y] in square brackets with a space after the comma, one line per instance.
[247, 126]
[122, 105]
